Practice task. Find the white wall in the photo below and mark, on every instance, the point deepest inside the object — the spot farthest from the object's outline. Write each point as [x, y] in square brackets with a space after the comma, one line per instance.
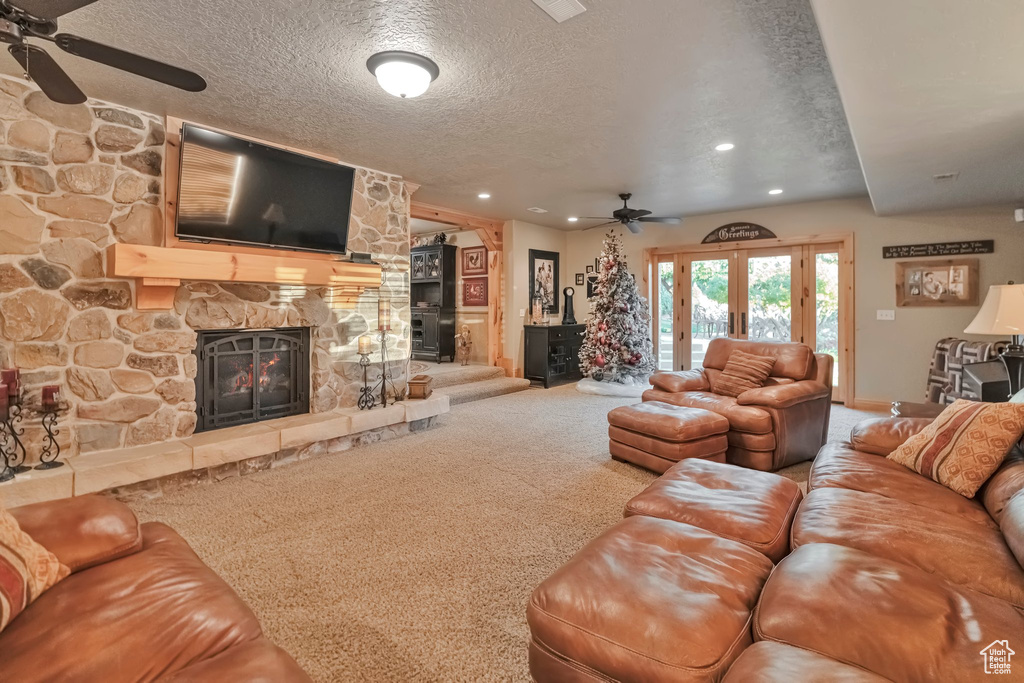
[519, 238]
[891, 357]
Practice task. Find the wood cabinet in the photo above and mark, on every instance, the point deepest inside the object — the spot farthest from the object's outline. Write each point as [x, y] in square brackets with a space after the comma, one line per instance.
[432, 290]
[552, 353]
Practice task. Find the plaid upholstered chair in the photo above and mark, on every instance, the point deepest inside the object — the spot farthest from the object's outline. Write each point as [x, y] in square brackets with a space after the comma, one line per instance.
[946, 376]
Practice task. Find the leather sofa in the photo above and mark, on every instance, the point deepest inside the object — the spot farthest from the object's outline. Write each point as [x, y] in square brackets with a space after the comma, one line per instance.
[782, 423]
[139, 605]
[891, 576]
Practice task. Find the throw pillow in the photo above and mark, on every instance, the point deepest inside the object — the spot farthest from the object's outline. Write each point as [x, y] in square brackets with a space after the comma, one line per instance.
[965, 444]
[26, 569]
[742, 371]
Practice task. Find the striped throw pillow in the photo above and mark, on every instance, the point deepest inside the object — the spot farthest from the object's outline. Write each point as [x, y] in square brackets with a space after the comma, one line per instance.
[965, 444]
[26, 569]
[743, 371]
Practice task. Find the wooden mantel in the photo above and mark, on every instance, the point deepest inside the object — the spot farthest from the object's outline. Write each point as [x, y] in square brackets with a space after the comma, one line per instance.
[159, 271]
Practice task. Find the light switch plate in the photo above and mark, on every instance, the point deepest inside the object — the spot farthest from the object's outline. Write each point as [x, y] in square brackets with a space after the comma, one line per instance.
[522, 312]
[886, 315]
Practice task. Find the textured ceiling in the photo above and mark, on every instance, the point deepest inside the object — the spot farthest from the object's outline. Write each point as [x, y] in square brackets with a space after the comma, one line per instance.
[629, 96]
[932, 87]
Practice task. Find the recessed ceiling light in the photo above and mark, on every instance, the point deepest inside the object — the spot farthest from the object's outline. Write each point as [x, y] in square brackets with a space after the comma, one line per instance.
[403, 74]
[484, 195]
[573, 219]
[725, 147]
[774, 191]
[537, 209]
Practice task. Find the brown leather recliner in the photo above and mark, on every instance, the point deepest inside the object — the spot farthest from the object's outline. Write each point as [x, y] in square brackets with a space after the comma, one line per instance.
[139, 605]
[782, 423]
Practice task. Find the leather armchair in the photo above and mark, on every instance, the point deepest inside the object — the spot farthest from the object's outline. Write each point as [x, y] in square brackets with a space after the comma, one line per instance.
[779, 424]
[138, 606]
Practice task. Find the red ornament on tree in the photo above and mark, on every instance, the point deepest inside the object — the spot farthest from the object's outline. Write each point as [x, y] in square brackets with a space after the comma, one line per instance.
[599, 360]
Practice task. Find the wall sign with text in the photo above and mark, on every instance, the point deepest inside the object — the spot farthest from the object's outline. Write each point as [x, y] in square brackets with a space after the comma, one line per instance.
[738, 232]
[940, 249]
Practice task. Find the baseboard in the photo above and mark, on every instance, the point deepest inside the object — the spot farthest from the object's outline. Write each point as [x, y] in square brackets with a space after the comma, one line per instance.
[873, 406]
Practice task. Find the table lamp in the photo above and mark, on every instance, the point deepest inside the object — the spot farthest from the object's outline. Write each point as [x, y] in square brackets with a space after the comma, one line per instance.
[1003, 314]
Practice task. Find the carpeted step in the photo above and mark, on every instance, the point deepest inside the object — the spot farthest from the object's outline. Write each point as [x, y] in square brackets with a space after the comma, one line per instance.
[454, 376]
[475, 391]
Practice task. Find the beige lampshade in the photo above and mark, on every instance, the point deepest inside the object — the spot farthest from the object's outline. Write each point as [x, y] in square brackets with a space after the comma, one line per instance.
[1002, 313]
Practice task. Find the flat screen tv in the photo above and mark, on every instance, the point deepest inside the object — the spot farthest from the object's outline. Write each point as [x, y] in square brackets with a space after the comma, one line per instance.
[241, 192]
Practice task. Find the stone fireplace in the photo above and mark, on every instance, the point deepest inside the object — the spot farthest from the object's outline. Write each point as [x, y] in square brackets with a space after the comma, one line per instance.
[75, 180]
[250, 376]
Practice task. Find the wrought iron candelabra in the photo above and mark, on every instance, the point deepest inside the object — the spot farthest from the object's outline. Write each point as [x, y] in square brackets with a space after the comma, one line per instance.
[366, 398]
[51, 449]
[370, 397]
[14, 452]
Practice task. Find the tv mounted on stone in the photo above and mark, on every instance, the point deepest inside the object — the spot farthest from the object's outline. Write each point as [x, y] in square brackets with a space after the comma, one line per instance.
[236, 191]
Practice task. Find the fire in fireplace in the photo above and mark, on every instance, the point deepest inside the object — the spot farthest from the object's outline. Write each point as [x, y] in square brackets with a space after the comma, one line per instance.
[251, 375]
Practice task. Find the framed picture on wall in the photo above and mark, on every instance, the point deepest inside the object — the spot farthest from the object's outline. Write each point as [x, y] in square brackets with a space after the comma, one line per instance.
[590, 269]
[474, 292]
[591, 285]
[579, 279]
[474, 261]
[951, 282]
[544, 278]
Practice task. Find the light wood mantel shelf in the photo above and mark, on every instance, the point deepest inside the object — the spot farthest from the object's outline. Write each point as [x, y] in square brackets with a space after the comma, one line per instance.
[159, 271]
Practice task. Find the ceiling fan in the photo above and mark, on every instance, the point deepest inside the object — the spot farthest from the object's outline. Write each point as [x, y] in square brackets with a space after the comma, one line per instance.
[38, 19]
[631, 218]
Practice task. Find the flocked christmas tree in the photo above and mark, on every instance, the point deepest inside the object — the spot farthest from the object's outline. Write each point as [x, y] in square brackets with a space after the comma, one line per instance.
[618, 344]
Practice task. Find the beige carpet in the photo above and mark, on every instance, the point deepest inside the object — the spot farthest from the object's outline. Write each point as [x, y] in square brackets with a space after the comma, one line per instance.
[412, 560]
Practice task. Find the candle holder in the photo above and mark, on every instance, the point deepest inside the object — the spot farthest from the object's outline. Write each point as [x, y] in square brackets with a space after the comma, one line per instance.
[6, 472]
[366, 399]
[51, 449]
[385, 372]
[15, 453]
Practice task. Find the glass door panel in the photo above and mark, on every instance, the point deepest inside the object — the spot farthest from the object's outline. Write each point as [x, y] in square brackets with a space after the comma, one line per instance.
[769, 314]
[826, 312]
[665, 282]
[709, 306]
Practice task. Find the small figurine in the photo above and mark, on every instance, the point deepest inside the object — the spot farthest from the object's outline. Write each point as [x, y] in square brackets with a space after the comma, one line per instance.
[463, 345]
[441, 238]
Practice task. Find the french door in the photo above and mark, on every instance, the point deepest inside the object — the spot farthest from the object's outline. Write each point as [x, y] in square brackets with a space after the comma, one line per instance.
[788, 293]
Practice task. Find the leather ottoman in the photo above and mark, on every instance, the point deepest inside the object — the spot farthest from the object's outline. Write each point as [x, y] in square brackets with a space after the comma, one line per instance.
[648, 600]
[657, 435]
[753, 507]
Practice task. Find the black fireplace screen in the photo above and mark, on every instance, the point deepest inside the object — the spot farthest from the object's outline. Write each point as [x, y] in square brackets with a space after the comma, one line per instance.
[251, 375]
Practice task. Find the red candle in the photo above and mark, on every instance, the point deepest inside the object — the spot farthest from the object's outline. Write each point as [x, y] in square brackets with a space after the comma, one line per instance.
[12, 378]
[51, 394]
[4, 402]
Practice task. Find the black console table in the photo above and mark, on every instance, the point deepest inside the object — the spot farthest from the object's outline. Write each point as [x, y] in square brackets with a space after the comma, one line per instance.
[552, 354]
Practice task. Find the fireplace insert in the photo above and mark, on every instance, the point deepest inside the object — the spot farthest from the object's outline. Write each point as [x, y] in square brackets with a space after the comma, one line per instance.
[251, 375]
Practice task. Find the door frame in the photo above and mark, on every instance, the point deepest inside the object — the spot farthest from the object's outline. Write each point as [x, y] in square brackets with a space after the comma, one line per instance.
[684, 253]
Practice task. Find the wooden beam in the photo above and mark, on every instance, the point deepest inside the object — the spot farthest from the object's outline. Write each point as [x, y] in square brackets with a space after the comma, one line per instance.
[492, 228]
[495, 310]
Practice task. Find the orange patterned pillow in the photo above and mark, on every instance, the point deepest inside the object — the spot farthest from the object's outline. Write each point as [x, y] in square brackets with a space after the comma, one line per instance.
[965, 445]
[26, 569]
[743, 371]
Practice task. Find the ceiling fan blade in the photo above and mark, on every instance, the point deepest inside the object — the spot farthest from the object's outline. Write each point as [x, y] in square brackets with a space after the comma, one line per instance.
[50, 9]
[661, 219]
[638, 213]
[132, 63]
[595, 227]
[51, 79]
[635, 227]
[597, 218]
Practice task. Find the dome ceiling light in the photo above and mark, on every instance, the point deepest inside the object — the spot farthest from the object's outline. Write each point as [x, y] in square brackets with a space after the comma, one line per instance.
[403, 74]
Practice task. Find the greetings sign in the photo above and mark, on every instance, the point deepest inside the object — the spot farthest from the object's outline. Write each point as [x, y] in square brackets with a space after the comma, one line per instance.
[739, 232]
